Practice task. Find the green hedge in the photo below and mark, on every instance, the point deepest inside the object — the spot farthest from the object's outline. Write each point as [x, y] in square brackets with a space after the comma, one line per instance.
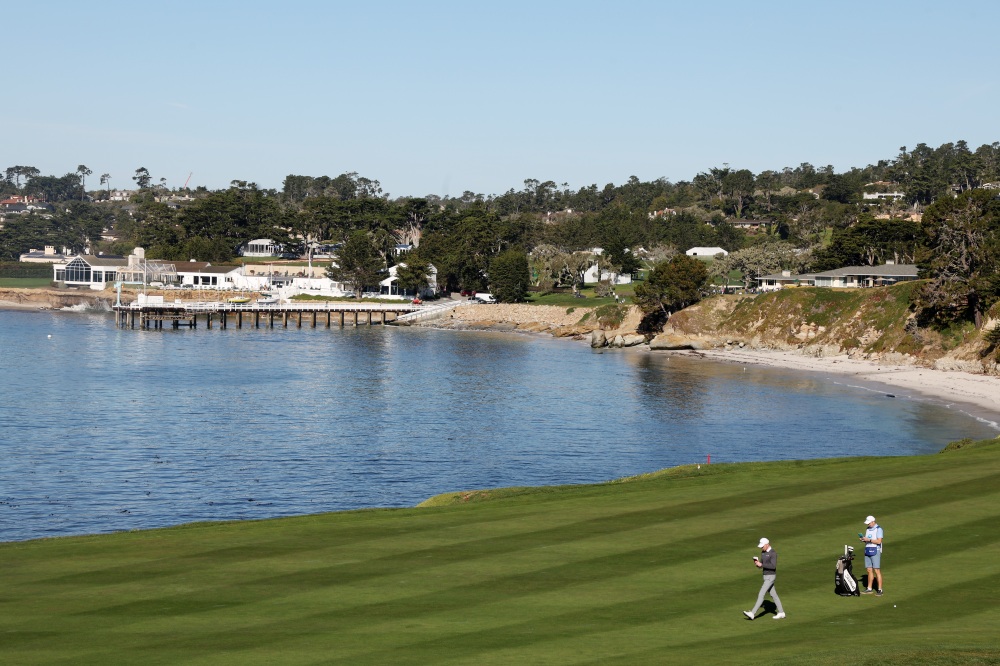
[17, 269]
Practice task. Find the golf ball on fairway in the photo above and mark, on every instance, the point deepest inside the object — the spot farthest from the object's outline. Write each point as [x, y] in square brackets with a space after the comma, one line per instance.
[894, 605]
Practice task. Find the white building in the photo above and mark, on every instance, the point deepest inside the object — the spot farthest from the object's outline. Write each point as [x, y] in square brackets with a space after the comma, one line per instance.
[777, 281]
[46, 256]
[203, 275]
[895, 196]
[867, 276]
[90, 271]
[706, 252]
[846, 277]
[390, 285]
[590, 276]
[96, 272]
[261, 247]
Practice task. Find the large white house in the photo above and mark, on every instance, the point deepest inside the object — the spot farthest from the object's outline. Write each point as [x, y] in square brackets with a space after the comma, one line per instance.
[848, 276]
[777, 281]
[94, 272]
[867, 276]
[98, 271]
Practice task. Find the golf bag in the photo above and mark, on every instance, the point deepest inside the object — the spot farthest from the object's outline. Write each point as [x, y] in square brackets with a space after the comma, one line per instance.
[846, 583]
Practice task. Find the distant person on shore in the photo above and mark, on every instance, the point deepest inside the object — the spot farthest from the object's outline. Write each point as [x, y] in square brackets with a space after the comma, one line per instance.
[768, 564]
[872, 539]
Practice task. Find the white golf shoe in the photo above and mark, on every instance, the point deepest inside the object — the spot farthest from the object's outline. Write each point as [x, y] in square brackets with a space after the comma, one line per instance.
[748, 614]
[779, 616]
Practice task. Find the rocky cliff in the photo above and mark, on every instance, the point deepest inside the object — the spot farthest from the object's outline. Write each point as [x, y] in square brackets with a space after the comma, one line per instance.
[874, 324]
[54, 299]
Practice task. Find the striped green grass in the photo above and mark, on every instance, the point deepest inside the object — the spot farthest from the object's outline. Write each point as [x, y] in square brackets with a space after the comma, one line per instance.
[653, 570]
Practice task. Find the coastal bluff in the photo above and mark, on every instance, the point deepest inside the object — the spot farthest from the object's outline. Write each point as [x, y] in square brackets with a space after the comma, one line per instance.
[875, 325]
[562, 322]
[16, 298]
[864, 324]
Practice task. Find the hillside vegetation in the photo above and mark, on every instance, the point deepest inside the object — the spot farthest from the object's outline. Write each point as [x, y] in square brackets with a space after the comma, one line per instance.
[652, 570]
[874, 323]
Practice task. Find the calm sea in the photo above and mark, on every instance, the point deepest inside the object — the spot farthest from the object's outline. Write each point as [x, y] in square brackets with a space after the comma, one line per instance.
[104, 429]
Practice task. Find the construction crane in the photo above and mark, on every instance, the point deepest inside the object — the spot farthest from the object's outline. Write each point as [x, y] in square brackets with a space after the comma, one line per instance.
[188, 180]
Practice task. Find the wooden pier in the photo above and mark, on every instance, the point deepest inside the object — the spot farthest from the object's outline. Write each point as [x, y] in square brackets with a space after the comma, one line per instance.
[258, 315]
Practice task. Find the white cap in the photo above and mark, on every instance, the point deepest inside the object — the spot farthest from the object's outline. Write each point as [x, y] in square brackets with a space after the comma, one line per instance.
[869, 519]
[763, 542]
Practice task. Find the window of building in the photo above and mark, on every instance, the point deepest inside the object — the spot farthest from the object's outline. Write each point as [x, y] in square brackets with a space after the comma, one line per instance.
[78, 271]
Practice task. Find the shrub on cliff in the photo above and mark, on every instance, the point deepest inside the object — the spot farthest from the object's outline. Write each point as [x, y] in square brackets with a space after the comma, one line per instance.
[672, 285]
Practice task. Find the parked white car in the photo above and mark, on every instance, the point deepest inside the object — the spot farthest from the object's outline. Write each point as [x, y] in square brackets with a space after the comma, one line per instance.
[484, 298]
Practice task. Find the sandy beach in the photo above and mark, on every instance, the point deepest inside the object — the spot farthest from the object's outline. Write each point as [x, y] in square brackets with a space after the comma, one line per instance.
[982, 391]
[14, 305]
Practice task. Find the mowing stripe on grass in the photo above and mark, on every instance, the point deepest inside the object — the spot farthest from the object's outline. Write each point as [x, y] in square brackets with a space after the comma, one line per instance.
[653, 570]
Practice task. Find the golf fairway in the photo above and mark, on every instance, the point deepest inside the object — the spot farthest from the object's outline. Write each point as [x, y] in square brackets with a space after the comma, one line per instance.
[653, 570]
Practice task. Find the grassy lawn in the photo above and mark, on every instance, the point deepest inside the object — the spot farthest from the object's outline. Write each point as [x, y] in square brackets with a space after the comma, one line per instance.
[569, 300]
[26, 283]
[590, 300]
[653, 571]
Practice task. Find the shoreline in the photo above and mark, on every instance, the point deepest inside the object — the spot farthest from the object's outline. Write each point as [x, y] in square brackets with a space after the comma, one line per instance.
[949, 386]
[979, 391]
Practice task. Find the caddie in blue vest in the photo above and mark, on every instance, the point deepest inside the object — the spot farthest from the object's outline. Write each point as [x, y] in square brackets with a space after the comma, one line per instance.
[872, 539]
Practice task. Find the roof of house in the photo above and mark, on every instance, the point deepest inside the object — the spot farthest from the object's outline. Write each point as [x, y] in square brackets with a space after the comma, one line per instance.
[883, 270]
[212, 270]
[191, 266]
[103, 260]
[35, 254]
[706, 250]
[793, 276]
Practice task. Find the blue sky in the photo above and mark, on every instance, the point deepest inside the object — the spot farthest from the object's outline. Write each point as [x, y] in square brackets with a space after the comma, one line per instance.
[441, 97]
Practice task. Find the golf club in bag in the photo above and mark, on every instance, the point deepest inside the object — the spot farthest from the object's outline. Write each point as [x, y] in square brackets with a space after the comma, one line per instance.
[846, 583]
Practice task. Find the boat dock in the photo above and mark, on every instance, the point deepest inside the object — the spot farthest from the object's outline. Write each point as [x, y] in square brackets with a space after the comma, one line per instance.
[258, 315]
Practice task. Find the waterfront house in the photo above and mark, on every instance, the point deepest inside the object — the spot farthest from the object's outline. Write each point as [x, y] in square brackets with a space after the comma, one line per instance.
[783, 279]
[390, 285]
[848, 277]
[93, 272]
[96, 272]
[203, 275]
[867, 276]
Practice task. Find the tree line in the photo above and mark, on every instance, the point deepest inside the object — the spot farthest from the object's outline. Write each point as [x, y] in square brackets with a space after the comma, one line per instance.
[797, 218]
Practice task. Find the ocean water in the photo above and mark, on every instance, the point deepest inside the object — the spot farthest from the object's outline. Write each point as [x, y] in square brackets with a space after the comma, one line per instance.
[104, 429]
